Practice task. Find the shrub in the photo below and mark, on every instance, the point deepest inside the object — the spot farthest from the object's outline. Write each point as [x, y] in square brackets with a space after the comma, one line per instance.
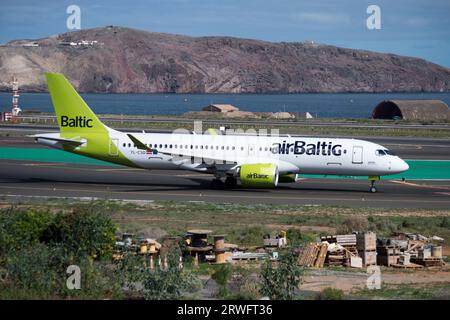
[83, 232]
[37, 247]
[351, 224]
[21, 229]
[330, 294]
[296, 237]
[280, 282]
[445, 223]
[222, 274]
[156, 284]
[31, 268]
[248, 236]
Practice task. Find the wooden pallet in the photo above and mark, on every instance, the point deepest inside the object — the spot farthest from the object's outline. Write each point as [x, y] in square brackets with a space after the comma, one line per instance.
[429, 262]
[320, 260]
[408, 266]
[313, 255]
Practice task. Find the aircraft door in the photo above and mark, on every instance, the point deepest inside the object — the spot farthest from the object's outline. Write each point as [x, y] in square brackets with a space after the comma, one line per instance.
[114, 147]
[357, 155]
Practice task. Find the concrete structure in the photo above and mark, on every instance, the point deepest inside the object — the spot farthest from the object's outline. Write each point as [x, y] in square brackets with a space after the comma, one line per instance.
[412, 110]
[220, 108]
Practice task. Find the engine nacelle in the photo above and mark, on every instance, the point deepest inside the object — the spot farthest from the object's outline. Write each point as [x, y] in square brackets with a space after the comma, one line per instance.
[259, 175]
[288, 178]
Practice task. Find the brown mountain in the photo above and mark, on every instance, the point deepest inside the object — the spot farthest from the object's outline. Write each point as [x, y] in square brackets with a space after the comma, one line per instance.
[128, 60]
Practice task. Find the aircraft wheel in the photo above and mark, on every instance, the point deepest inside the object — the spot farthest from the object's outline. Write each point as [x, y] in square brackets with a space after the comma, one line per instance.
[230, 182]
[373, 189]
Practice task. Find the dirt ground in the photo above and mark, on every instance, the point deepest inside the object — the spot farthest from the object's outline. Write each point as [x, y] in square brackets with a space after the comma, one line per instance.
[348, 281]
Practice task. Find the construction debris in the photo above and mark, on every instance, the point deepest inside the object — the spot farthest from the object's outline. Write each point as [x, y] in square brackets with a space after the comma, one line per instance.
[278, 241]
[408, 248]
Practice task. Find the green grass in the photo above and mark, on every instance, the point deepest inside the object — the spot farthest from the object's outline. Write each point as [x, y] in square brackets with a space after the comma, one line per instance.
[246, 224]
[407, 292]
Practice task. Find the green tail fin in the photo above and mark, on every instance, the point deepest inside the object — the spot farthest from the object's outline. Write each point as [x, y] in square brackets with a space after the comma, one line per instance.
[74, 115]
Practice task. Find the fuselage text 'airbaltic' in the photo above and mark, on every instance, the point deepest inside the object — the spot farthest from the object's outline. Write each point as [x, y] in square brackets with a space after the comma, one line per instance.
[77, 122]
[300, 147]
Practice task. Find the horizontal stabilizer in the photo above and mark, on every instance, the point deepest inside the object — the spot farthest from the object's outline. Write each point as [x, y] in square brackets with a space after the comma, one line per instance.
[69, 142]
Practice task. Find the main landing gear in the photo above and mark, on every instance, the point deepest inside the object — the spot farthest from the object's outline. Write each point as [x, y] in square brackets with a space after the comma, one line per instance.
[230, 183]
[372, 179]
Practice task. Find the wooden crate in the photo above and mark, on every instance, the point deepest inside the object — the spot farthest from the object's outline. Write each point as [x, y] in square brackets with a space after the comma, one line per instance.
[369, 258]
[387, 260]
[366, 241]
[388, 250]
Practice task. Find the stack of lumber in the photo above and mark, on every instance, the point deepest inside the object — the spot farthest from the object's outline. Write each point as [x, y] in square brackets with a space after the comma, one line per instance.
[313, 255]
[343, 239]
[348, 241]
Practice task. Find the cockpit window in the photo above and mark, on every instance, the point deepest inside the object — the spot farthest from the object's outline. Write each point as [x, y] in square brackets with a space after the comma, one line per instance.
[380, 152]
[389, 152]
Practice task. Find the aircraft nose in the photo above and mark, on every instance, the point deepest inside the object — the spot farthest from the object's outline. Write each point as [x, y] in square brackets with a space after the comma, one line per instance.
[401, 166]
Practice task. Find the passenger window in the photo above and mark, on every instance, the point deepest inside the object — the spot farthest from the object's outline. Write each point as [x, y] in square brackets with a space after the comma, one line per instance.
[206, 147]
[160, 146]
[233, 148]
[124, 145]
[170, 146]
[129, 145]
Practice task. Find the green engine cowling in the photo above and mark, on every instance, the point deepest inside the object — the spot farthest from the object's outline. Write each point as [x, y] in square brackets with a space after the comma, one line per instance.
[259, 175]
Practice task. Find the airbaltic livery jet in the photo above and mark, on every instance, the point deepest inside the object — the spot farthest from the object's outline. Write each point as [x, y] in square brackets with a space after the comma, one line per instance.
[255, 161]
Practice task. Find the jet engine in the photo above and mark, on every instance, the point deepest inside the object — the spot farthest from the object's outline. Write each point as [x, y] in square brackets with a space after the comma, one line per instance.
[259, 175]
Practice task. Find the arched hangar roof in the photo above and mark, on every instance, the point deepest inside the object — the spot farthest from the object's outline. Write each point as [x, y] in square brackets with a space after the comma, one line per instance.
[412, 110]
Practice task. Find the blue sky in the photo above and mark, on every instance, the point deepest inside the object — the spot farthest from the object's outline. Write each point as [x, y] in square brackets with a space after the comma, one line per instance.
[414, 28]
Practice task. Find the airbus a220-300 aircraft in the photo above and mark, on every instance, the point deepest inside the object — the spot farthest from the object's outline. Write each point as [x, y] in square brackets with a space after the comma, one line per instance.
[252, 160]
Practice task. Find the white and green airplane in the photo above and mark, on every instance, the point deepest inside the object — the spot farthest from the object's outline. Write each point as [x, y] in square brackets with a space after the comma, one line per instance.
[252, 160]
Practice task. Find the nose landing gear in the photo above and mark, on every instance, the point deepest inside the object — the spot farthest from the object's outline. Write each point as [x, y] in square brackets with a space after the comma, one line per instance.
[372, 179]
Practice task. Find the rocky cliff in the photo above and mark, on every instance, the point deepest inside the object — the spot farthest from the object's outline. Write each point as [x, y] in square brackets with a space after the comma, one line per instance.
[128, 60]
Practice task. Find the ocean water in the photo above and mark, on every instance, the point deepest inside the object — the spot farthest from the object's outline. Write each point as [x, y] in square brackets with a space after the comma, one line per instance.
[348, 105]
